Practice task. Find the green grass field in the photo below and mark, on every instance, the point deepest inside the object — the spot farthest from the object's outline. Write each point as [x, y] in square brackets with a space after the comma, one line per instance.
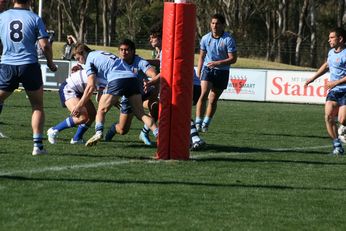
[266, 167]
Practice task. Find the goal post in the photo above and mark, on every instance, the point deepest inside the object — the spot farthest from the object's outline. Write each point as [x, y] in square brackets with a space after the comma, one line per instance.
[176, 83]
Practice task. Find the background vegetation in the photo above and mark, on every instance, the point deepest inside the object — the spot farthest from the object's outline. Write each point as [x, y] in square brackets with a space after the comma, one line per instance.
[287, 31]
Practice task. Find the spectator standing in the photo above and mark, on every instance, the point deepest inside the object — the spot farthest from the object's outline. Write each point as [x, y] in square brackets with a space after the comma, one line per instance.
[67, 52]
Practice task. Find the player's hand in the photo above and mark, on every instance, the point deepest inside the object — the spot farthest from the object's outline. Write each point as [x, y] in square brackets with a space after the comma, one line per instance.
[52, 67]
[76, 68]
[76, 111]
[308, 81]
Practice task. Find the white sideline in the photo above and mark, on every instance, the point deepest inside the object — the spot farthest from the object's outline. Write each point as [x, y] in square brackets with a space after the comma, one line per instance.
[120, 162]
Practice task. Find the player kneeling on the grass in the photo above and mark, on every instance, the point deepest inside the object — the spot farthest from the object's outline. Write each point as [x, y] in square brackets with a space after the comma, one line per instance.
[70, 93]
[120, 81]
[336, 99]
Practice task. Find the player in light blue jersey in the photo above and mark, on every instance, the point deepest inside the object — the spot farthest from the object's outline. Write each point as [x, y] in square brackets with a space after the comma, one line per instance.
[120, 81]
[336, 99]
[20, 29]
[217, 52]
[144, 71]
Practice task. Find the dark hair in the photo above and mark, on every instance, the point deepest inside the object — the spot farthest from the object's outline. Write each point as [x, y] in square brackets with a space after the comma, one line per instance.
[339, 32]
[156, 30]
[129, 43]
[22, 1]
[219, 18]
[81, 49]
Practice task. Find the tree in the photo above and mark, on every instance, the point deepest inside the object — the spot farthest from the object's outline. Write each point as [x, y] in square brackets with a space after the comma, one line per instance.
[76, 21]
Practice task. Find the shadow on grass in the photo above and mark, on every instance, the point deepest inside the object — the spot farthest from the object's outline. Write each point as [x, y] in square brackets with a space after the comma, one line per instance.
[181, 183]
[226, 148]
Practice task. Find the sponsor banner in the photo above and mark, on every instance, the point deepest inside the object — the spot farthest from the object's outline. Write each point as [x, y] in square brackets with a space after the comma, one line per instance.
[288, 86]
[52, 80]
[245, 84]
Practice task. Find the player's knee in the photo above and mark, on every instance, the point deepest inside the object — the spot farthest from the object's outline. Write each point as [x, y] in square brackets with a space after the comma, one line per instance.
[329, 118]
[83, 118]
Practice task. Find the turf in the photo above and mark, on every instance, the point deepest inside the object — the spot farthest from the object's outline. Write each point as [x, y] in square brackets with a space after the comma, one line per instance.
[266, 167]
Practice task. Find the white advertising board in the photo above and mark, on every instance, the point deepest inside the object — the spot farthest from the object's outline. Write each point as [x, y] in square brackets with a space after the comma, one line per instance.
[288, 86]
[245, 84]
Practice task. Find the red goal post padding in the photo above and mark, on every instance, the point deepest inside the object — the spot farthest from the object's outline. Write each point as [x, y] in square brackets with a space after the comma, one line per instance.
[178, 44]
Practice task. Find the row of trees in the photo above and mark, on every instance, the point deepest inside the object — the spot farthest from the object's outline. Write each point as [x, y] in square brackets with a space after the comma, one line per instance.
[288, 31]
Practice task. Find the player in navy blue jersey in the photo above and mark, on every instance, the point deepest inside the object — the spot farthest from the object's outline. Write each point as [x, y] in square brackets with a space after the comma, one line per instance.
[336, 99]
[20, 29]
[217, 52]
[120, 81]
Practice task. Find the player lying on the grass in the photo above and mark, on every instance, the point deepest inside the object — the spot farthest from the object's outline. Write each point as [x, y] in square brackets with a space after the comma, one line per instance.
[70, 91]
[20, 29]
[155, 40]
[120, 81]
[336, 99]
[143, 70]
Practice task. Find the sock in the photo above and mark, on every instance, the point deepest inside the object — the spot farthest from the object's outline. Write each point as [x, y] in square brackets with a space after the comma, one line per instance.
[156, 132]
[37, 138]
[198, 120]
[337, 143]
[193, 133]
[206, 121]
[67, 123]
[99, 127]
[80, 132]
[145, 129]
[1, 106]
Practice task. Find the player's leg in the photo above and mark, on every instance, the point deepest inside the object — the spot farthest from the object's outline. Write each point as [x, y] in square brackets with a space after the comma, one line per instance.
[105, 104]
[151, 103]
[137, 107]
[84, 124]
[3, 96]
[37, 119]
[331, 111]
[121, 127]
[219, 80]
[201, 103]
[213, 98]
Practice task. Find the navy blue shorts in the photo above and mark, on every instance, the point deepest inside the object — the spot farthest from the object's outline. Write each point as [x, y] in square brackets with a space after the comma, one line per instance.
[125, 86]
[219, 78]
[29, 75]
[125, 106]
[337, 96]
[61, 93]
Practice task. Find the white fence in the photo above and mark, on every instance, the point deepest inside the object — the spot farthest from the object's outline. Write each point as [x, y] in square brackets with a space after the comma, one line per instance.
[244, 84]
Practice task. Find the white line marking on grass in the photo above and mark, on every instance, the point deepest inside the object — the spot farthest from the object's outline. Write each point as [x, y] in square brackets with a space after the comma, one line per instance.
[70, 167]
[120, 162]
[299, 148]
[197, 156]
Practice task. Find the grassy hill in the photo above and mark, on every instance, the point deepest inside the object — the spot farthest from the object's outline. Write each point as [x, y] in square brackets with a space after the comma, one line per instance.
[242, 62]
